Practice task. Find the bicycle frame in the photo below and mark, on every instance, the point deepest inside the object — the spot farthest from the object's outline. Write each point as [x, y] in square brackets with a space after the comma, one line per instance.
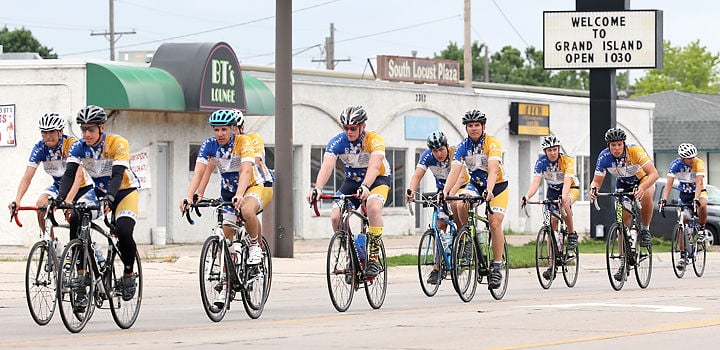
[429, 200]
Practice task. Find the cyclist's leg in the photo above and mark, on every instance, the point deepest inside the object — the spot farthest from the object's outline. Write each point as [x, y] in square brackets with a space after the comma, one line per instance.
[498, 205]
[43, 201]
[646, 213]
[256, 198]
[374, 205]
[126, 211]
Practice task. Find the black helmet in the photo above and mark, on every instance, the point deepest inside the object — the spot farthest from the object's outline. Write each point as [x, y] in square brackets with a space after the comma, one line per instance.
[474, 115]
[436, 140]
[353, 115]
[91, 114]
[615, 134]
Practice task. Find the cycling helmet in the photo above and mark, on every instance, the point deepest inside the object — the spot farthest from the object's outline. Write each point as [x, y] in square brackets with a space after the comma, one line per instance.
[549, 141]
[91, 115]
[615, 134]
[51, 121]
[436, 140]
[239, 118]
[222, 117]
[353, 115]
[687, 150]
[474, 115]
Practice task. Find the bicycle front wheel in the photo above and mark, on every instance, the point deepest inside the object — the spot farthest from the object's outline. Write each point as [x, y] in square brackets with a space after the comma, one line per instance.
[41, 282]
[615, 257]
[376, 287]
[214, 285]
[75, 289]
[125, 305]
[699, 254]
[499, 293]
[545, 257]
[257, 283]
[643, 265]
[428, 258]
[341, 271]
[464, 265]
[570, 263]
[677, 251]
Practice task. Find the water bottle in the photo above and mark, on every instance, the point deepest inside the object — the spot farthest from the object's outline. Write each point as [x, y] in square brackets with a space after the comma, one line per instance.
[98, 253]
[448, 243]
[360, 243]
[633, 237]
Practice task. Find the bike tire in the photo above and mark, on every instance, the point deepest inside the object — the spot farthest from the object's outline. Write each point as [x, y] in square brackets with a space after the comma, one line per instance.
[499, 293]
[676, 252]
[570, 263]
[464, 265]
[41, 282]
[124, 312]
[74, 318]
[341, 271]
[376, 288]
[210, 278]
[545, 256]
[643, 265]
[615, 256]
[256, 283]
[428, 253]
[699, 256]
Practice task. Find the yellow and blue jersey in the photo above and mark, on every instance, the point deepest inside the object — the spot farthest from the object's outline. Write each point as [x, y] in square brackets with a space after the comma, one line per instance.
[54, 160]
[627, 168]
[356, 155]
[686, 174]
[99, 160]
[555, 173]
[476, 154]
[440, 170]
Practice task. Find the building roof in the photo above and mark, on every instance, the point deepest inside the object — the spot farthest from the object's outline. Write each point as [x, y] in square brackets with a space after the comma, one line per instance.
[685, 117]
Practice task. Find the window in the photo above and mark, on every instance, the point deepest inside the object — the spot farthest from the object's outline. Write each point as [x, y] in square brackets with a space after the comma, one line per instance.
[336, 179]
[585, 173]
[193, 154]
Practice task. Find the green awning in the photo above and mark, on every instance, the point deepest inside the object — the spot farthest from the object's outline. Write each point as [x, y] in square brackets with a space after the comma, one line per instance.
[260, 100]
[128, 87]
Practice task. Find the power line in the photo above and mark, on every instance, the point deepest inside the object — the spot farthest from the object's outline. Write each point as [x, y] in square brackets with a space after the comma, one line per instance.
[510, 23]
[397, 29]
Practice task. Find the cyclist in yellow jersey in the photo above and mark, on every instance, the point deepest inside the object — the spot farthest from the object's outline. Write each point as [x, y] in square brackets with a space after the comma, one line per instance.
[367, 172]
[482, 155]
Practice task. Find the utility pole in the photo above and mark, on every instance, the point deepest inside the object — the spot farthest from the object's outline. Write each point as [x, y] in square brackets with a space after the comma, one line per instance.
[330, 51]
[111, 34]
[467, 50]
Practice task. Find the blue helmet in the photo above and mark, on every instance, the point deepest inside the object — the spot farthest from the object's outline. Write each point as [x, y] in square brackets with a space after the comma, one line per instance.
[223, 117]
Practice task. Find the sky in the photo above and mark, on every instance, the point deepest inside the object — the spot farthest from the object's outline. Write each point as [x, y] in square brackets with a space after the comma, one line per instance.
[363, 28]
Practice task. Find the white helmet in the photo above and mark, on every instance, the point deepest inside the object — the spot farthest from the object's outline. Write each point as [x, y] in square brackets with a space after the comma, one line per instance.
[51, 121]
[549, 141]
[687, 150]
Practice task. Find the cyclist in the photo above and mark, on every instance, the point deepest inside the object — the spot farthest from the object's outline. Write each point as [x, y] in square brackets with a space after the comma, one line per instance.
[106, 157]
[633, 170]
[558, 170]
[482, 156]
[690, 172]
[52, 151]
[436, 158]
[367, 173]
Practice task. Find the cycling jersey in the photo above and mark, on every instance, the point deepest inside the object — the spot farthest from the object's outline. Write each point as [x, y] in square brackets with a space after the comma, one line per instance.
[476, 154]
[686, 174]
[227, 158]
[440, 170]
[55, 159]
[356, 155]
[627, 168]
[99, 160]
[555, 173]
[262, 172]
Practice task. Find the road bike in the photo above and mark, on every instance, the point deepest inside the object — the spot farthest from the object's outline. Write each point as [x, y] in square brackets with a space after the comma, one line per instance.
[224, 275]
[552, 252]
[472, 254]
[435, 250]
[688, 243]
[90, 276]
[345, 268]
[623, 253]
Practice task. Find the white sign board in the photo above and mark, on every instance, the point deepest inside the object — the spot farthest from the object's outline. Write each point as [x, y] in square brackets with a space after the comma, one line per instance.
[7, 126]
[607, 39]
[140, 165]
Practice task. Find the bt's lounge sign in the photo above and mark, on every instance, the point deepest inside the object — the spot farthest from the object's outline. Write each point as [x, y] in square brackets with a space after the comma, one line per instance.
[418, 70]
[222, 85]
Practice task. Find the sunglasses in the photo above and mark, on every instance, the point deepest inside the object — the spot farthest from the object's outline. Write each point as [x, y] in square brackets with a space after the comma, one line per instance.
[351, 128]
[91, 128]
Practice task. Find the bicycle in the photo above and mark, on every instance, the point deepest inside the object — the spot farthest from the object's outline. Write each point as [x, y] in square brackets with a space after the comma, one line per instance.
[80, 293]
[688, 243]
[472, 254]
[222, 271]
[345, 267]
[620, 240]
[551, 247]
[432, 254]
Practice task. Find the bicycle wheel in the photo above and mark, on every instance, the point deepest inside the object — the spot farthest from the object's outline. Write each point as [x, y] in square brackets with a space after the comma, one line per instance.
[213, 282]
[545, 257]
[464, 265]
[677, 253]
[570, 263]
[699, 255]
[615, 258]
[427, 254]
[256, 283]
[376, 288]
[124, 312]
[41, 282]
[74, 288]
[643, 265]
[341, 271]
[499, 293]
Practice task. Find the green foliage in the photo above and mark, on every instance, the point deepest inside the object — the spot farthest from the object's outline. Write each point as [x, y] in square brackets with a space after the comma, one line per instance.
[691, 69]
[453, 52]
[22, 40]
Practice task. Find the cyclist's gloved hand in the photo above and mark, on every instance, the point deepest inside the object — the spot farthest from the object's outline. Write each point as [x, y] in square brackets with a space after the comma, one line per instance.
[409, 195]
[108, 201]
[523, 201]
[661, 204]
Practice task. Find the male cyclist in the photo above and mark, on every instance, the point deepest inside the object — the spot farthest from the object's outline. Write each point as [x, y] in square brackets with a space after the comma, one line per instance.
[53, 151]
[634, 172]
[367, 173]
[558, 170]
[482, 155]
[106, 157]
[690, 173]
[436, 158]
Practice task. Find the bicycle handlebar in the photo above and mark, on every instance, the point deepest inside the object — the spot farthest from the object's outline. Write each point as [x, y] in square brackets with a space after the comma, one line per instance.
[542, 202]
[470, 199]
[316, 197]
[202, 203]
[616, 194]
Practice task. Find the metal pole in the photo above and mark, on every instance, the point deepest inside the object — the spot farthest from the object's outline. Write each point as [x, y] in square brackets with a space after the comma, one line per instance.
[467, 49]
[112, 31]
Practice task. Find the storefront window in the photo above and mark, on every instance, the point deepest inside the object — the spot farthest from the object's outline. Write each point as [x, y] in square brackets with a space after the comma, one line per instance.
[396, 158]
[585, 172]
[194, 149]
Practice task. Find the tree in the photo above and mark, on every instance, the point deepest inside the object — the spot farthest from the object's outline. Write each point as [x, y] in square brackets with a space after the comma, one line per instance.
[691, 69]
[453, 52]
[22, 40]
